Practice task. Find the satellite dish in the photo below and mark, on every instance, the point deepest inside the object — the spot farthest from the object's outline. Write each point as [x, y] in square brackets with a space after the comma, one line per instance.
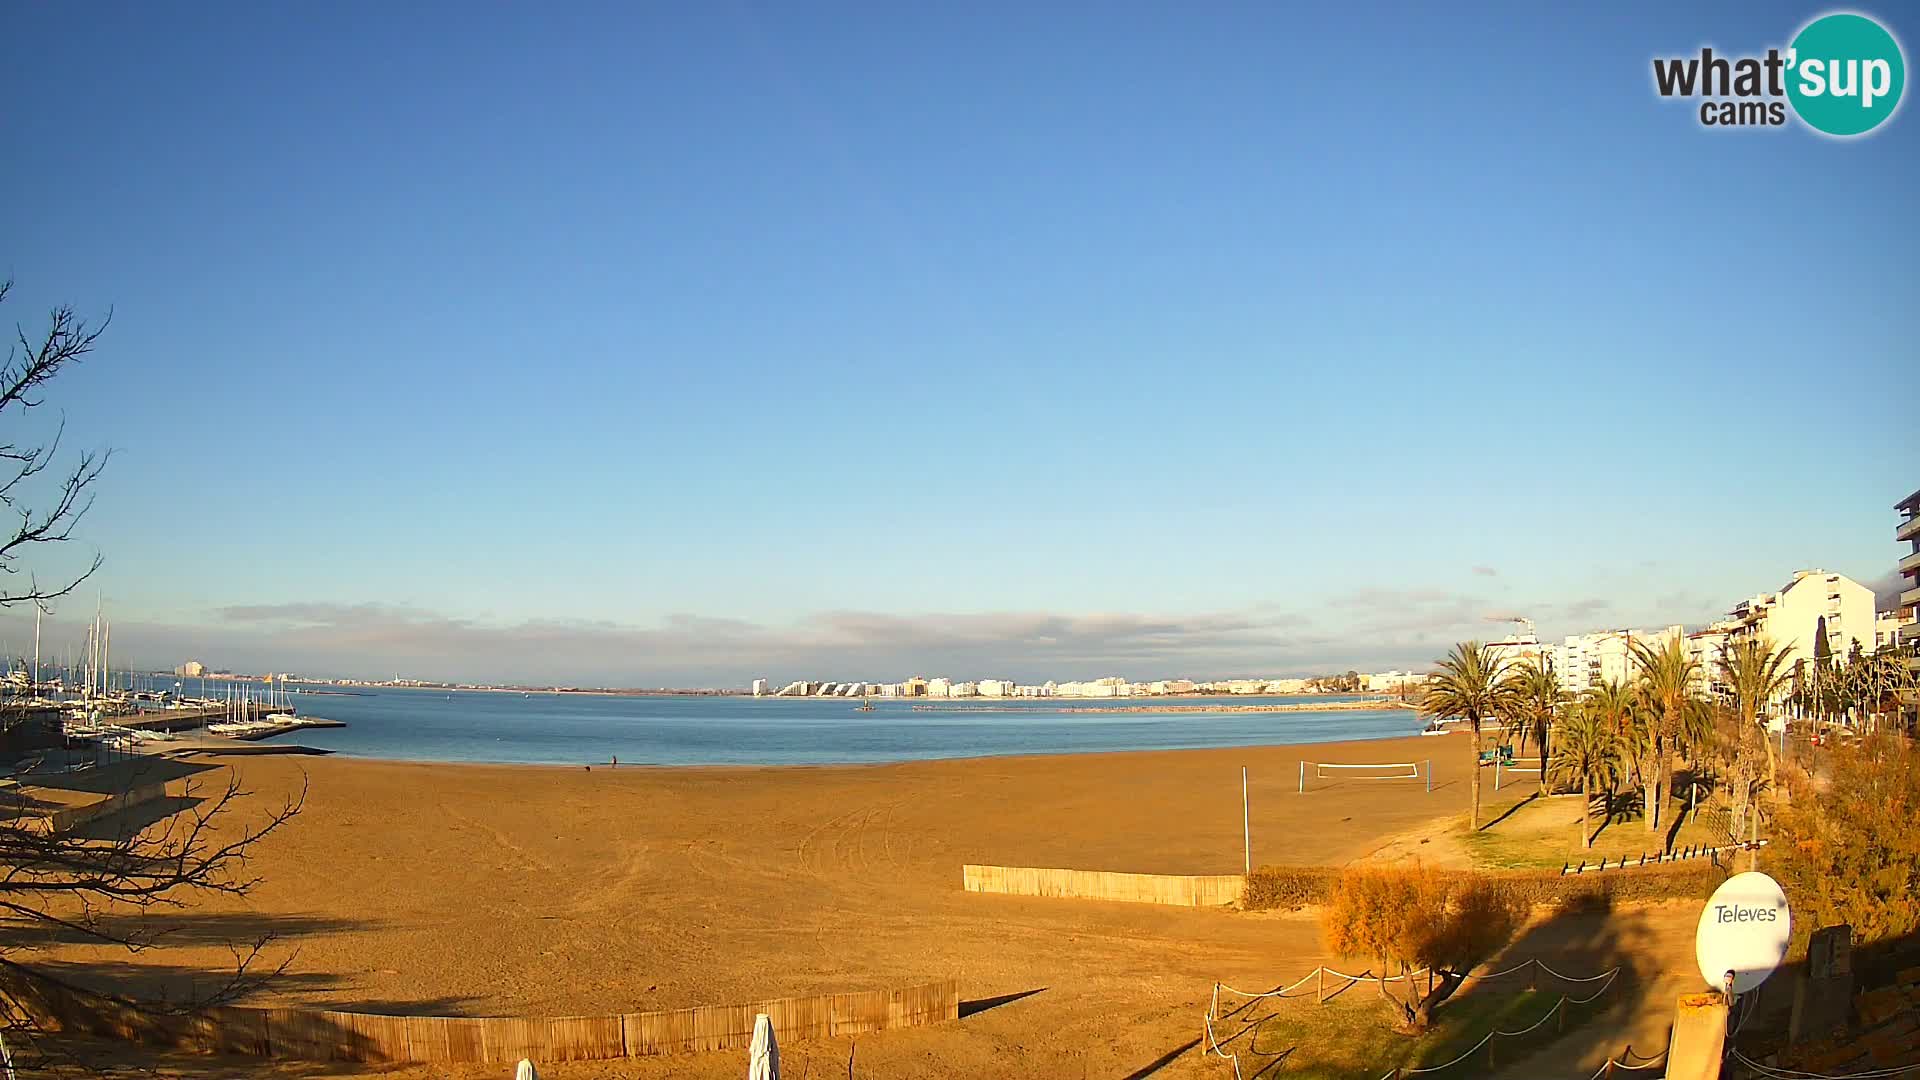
[1744, 930]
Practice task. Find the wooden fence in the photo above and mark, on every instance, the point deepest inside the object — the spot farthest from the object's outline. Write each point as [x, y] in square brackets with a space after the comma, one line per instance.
[365, 1037]
[1659, 858]
[1180, 890]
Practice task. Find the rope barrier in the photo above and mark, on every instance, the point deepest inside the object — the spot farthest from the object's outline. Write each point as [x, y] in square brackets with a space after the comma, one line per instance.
[1796, 1074]
[1489, 1036]
[1626, 1062]
[1215, 1044]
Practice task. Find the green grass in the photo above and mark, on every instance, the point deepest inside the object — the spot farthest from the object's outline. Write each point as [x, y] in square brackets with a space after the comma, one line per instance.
[1527, 832]
[1352, 1038]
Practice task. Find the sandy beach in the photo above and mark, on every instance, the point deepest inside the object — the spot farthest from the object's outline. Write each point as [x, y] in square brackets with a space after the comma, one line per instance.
[477, 890]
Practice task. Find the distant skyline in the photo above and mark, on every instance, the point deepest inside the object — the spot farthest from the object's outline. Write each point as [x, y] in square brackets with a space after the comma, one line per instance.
[685, 346]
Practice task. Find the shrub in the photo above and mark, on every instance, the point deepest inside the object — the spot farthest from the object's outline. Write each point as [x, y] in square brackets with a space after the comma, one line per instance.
[1416, 916]
[1289, 888]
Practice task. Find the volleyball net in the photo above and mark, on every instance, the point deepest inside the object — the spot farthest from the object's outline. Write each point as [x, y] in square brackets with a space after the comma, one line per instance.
[1324, 774]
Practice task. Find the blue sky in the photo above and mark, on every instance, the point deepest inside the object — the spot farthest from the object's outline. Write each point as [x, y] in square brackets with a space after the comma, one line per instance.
[686, 344]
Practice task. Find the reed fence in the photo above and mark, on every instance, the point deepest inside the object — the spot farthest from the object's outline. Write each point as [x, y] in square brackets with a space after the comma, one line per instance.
[318, 1035]
[1206, 890]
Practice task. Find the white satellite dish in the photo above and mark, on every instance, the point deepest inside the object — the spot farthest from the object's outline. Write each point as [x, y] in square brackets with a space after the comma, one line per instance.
[1744, 930]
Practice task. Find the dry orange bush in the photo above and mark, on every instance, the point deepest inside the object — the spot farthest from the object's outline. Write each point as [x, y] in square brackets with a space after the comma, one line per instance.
[1411, 916]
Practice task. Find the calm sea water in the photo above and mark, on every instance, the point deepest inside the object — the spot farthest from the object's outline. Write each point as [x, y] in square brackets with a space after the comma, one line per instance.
[430, 725]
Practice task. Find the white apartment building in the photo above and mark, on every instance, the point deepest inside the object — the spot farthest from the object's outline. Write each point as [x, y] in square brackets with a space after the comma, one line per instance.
[1516, 651]
[1584, 661]
[1385, 681]
[1889, 626]
[941, 687]
[759, 688]
[996, 687]
[1793, 617]
[1705, 648]
[1908, 532]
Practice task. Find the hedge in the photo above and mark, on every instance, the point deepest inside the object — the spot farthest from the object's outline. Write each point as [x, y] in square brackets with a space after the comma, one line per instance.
[1292, 887]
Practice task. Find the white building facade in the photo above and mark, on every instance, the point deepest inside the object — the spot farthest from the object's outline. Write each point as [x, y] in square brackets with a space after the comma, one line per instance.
[1813, 602]
[1584, 661]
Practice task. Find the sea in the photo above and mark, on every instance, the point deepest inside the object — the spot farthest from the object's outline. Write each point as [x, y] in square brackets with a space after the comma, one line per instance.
[577, 729]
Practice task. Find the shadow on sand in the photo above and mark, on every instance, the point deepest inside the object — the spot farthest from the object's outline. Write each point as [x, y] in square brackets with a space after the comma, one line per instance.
[980, 1005]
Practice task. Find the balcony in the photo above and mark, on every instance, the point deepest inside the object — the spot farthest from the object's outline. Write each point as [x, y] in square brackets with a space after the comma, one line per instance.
[1911, 564]
[1910, 598]
[1908, 530]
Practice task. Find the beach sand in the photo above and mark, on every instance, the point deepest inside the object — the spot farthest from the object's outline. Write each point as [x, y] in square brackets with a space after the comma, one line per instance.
[487, 890]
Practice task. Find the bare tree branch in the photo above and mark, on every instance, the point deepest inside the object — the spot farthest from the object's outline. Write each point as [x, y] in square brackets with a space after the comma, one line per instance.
[56, 883]
[32, 362]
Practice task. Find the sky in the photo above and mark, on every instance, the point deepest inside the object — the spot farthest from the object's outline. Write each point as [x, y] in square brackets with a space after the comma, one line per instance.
[687, 344]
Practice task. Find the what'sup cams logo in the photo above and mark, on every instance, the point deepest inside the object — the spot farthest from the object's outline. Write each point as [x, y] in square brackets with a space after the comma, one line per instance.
[1842, 76]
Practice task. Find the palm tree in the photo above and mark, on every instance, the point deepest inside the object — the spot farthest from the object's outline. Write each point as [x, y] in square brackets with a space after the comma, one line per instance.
[1757, 673]
[1666, 677]
[1472, 683]
[1615, 703]
[1539, 695]
[1586, 751]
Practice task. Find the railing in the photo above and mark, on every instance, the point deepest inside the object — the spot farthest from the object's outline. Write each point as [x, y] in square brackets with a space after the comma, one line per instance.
[1656, 858]
[1213, 1045]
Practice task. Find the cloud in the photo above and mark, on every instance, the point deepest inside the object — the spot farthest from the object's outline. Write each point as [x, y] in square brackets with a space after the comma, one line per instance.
[1370, 628]
[1486, 571]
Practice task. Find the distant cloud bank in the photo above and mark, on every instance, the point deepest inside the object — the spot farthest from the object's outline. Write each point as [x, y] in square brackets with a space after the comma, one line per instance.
[1374, 627]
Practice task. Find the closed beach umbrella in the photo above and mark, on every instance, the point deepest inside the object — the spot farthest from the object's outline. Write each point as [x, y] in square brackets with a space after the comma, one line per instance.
[763, 1058]
[526, 1071]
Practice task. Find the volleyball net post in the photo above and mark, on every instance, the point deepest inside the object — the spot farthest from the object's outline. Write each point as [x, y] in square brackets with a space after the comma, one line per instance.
[1416, 770]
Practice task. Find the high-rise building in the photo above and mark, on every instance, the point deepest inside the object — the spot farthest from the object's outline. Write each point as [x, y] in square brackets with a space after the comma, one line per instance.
[192, 669]
[759, 688]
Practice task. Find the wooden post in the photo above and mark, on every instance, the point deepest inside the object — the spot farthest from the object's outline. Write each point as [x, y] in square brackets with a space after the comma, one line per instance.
[1533, 976]
[1320, 989]
[1303, 776]
[1246, 822]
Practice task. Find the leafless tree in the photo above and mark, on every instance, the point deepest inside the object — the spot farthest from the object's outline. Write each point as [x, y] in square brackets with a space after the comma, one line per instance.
[66, 884]
[33, 360]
